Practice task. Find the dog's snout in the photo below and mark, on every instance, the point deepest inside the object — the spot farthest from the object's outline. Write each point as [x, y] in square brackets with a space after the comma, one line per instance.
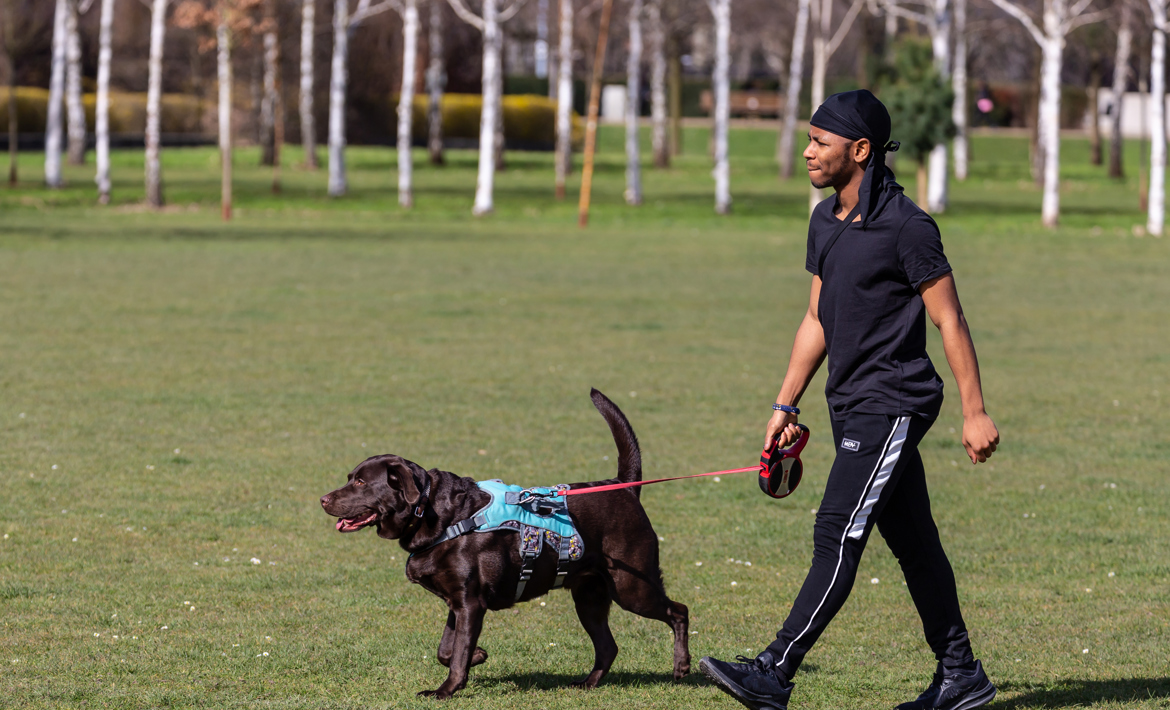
[326, 500]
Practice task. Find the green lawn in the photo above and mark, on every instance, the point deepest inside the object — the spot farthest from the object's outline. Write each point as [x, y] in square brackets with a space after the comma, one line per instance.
[176, 393]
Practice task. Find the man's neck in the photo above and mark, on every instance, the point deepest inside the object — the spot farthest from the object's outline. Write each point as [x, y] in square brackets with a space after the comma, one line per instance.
[847, 195]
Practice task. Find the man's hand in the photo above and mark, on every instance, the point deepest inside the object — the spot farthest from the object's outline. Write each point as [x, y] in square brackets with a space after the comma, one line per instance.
[980, 437]
[781, 422]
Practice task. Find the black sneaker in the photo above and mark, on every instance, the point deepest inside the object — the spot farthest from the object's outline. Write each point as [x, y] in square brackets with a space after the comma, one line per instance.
[751, 681]
[958, 690]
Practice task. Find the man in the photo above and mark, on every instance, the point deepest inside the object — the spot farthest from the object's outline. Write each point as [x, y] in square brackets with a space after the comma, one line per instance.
[877, 263]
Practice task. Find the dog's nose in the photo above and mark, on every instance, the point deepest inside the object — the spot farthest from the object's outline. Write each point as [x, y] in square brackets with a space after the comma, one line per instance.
[326, 500]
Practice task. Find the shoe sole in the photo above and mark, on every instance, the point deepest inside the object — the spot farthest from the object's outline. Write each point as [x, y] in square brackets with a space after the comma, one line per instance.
[728, 687]
[984, 696]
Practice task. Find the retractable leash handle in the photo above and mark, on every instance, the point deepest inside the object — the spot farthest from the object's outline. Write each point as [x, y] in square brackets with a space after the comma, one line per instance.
[782, 469]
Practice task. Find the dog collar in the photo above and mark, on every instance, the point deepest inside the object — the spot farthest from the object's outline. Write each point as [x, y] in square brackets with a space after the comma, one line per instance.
[424, 496]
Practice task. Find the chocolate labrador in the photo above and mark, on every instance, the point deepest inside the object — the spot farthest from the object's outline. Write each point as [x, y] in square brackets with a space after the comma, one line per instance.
[480, 571]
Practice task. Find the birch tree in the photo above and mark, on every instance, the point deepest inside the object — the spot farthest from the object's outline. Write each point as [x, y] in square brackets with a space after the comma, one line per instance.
[102, 109]
[720, 80]
[409, 11]
[436, 83]
[489, 24]
[270, 101]
[21, 32]
[936, 17]
[1059, 17]
[1120, 77]
[1156, 215]
[825, 43]
[786, 145]
[158, 28]
[308, 123]
[223, 65]
[563, 158]
[75, 109]
[633, 101]
[959, 86]
[658, 139]
[343, 26]
[53, 119]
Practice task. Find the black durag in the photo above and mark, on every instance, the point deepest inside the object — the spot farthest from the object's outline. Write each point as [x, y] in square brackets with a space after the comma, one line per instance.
[855, 115]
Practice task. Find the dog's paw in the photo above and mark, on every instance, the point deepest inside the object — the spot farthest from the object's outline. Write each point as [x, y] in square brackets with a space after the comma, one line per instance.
[437, 694]
[478, 656]
[680, 673]
[589, 682]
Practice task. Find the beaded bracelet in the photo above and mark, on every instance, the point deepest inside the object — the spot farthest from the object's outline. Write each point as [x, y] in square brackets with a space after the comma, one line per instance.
[786, 408]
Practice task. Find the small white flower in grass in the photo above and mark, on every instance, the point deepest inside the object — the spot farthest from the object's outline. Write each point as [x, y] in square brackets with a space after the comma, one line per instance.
[115, 636]
[633, 394]
[1110, 574]
[191, 608]
[63, 512]
[22, 417]
[1017, 660]
[694, 632]
[273, 564]
[731, 559]
[133, 638]
[115, 616]
[74, 539]
[661, 539]
[1116, 403]
[17, 660]
[235, 549]
[875, 580]
[129, 529]
[542, 603]
[227, 559]
[96, 634]
[716, 479]
[5, 536]
[255, 560]
[54, 467]
[700, 564]
[186, 603]
[1085, 651]
[149, 467]
[739, 562]
[1087, 589]
[1041, 486]
[552, 644]
[177, 451]
[954, 463]
[1113, 485]
[735, 584]
[1025, 515]
[165, 628]
[747, 564]
[813, 511]
[266, 653]
[235, 645]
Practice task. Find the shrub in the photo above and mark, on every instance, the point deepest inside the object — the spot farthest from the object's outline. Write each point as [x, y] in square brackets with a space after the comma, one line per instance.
[180, 113]
[529, 120]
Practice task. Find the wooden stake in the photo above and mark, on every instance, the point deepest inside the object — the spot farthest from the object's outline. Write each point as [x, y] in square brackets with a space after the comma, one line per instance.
[591, 123]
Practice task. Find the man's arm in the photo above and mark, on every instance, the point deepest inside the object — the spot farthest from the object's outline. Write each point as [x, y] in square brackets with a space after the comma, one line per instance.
[980, 437]
[808, 352]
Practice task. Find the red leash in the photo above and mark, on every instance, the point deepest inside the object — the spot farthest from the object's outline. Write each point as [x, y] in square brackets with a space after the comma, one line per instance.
[633, 484]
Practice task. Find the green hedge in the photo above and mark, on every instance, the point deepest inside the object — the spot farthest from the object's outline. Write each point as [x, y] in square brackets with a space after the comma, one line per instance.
[180, 113]
[528, 118]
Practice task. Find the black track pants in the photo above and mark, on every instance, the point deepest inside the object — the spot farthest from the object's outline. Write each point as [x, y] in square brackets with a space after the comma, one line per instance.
[877, 477]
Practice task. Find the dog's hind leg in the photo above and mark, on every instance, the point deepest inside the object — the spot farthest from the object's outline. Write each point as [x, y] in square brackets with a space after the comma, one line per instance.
[447, 645]
[592, 600]
[640, 594]
[468, 625]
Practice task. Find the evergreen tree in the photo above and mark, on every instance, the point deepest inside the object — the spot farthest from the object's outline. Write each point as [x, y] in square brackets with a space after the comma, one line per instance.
[919, 101]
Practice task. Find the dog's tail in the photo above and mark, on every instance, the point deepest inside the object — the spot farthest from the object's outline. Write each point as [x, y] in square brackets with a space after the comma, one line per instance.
[629, 455]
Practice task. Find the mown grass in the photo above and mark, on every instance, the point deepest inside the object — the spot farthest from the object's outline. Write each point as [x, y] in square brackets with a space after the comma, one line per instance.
[176, 394]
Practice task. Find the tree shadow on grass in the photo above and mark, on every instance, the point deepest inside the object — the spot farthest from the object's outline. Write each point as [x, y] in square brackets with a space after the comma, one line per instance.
[555, 681]
[1078, 693]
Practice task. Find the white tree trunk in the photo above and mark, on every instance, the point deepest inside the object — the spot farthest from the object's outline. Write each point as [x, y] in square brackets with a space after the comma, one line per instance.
[564, 148]
[721, 81]
[485, 180]
[338, 79]
[436, 82]
[308, 125]
[498, 135]
[1052, 54]
[158, 28]
[633, 100]
[75, 109]
[959, 85]
[658, 138]
[102, 109]
[1156, 216]
[53, 122]
[786, 147]
[406, 101]
[223, 66]
[824, 24]
[268, 104]
[940, 41]
[1120, 75]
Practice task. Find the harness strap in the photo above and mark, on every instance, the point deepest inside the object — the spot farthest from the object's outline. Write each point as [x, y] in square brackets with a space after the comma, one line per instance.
[528, 555]
[460, 528]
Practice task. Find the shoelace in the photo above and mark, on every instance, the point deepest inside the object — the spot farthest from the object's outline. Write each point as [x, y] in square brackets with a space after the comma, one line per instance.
[752, 664]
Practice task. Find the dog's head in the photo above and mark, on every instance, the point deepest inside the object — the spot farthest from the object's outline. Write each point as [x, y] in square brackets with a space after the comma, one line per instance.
[383, 490]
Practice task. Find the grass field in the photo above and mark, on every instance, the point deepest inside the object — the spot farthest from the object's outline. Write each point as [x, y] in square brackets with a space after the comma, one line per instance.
[177, 393]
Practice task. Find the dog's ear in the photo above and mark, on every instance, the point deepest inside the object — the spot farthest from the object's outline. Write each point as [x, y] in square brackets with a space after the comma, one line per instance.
[400, 474]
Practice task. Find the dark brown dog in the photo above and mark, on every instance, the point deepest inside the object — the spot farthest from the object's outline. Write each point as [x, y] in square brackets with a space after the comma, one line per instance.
[480, 571]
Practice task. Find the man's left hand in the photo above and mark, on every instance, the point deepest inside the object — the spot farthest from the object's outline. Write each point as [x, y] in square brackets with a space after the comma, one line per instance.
[980, 437]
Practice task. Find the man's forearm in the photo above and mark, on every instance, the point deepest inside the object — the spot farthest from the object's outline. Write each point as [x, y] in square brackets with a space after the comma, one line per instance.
[808, 352]
[960, 352]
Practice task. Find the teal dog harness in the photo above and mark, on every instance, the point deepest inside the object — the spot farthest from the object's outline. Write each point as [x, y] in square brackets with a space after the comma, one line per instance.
[539, 514]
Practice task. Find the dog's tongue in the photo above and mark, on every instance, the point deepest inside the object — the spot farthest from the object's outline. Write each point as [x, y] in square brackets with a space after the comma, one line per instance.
[351, 524]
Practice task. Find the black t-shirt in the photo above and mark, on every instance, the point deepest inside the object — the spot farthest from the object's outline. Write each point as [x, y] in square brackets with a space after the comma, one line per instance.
[871, 311]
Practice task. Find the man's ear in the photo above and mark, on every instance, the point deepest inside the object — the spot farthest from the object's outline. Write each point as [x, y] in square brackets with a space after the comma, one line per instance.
[862, 150]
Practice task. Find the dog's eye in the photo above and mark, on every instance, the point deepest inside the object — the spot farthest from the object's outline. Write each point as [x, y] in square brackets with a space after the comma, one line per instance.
[358, 482]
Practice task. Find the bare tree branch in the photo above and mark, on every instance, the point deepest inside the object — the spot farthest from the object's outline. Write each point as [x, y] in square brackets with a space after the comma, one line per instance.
[466, 15]
[899, 11]
[1023, 17]
[83, 6]
[1087, 19]
[511, 11]
[365, 11]
[1079, 7]
[843, 29]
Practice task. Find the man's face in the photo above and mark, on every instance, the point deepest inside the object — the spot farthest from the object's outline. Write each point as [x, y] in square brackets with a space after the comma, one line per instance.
[830, 159]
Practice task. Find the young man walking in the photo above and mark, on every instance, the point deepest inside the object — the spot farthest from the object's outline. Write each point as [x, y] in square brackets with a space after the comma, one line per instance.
[878, 269]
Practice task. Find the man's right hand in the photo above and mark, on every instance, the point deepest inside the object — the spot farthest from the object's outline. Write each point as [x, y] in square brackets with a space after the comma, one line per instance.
[783, 423]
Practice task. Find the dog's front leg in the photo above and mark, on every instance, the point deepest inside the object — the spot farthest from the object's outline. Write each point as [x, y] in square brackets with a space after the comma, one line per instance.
[467, 627]
[447, 645]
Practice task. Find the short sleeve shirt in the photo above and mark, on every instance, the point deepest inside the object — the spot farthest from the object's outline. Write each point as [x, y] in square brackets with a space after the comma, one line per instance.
[871, 312]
